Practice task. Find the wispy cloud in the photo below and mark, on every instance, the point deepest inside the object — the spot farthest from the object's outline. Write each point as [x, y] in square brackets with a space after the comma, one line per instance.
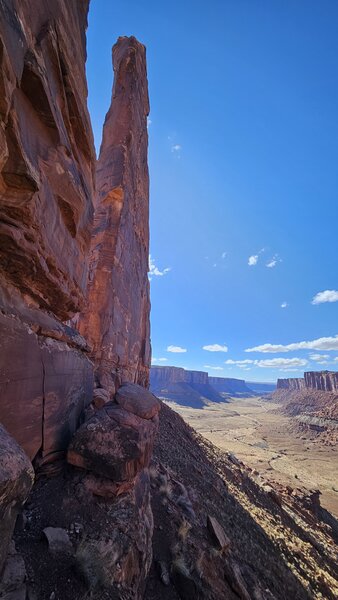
[175, 349]
[239, 363]
[213, 368]
[273, 363]
[326, 296]
[253, 260]
[215, 348]
[154, 271]
[176, 148]
[149, 122]
[284, 305]
[155, 360]
[321, 359]
[224, 255]
[273, 261]
[324, 343]
[281, 363]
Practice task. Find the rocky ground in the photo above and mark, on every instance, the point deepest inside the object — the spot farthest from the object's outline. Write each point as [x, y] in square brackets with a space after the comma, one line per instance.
[220, 531]
[273, 442]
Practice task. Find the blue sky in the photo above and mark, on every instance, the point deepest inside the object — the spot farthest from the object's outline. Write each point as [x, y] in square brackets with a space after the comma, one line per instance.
[243, 159]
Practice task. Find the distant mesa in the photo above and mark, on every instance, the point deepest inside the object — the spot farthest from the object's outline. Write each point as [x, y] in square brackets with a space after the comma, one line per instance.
[195, 388]
[325, 381]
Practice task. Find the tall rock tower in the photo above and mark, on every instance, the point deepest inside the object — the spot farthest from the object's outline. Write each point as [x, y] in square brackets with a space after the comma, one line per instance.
[116, 319]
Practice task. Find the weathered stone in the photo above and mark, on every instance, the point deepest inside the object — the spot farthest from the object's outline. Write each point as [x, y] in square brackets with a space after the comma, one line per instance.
[218, 534]
[116, 320]
[58, 540]
[118, 556]
[43, 413]
[46, 187]
[14, 574]
[113, 443]
[16, 480]
[137, 400]
[100, 397]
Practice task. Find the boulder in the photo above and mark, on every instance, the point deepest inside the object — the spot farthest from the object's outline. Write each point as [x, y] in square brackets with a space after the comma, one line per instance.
[137, 400]
[16, 480]
[113, 443]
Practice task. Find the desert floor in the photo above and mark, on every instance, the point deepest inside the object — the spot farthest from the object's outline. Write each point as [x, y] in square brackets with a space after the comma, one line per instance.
[263, 438]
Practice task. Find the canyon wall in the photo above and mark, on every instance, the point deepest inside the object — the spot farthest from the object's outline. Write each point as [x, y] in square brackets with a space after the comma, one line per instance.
[326, 381]
[229, 385]
[159, 375]
[47, 166]
[116, 319]
[293, 383]
[193, 388]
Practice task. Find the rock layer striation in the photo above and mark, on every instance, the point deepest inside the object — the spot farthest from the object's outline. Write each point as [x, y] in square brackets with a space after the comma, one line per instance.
[46, 187]
[116, 319]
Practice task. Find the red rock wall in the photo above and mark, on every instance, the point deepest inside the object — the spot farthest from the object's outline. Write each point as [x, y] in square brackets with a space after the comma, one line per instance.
[327, 381]
[46, 190]
[116, 319]
[293, 383]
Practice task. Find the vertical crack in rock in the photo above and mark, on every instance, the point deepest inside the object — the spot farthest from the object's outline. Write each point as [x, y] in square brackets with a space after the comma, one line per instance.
[116, 320]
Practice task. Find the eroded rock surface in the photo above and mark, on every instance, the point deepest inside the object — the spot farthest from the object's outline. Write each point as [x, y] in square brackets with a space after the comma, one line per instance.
[46, 189]
[116, 320]
[292, 383]
[16, 480]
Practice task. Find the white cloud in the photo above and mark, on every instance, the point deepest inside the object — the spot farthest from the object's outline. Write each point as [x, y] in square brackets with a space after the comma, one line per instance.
[149, 122]
[176, 147]
[154, 271]
[326, 296]
[319, 357]
[153, 360]
[273, 363]
[247, 361]
[324, 343]
[284, 305]
[336, 359]
[215, 348]
[177, 349]
[224, 255]
[273, 261]
[281, 363]
[253, 260]
[213, 368]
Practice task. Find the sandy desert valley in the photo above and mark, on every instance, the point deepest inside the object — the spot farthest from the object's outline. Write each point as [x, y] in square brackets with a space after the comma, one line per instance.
[257, 433]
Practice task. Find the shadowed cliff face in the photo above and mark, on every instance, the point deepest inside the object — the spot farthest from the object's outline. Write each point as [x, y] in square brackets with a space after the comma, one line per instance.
[293, 383]
[116, 319]
[47, 164]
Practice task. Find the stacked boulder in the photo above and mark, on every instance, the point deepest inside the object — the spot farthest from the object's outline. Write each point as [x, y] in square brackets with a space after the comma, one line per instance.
[112, 451]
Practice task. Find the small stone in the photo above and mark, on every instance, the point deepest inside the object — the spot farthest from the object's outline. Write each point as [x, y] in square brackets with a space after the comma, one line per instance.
[58, 540]
[218, 534]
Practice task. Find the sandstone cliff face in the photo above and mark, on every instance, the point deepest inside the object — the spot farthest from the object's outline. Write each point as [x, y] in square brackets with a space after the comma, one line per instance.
[116, 319]
[229, 385]
[46, 189]
[293, 383]
[325, 381]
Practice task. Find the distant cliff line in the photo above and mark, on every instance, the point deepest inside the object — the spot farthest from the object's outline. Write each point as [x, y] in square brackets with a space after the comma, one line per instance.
[161, 375]
[325, 381]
